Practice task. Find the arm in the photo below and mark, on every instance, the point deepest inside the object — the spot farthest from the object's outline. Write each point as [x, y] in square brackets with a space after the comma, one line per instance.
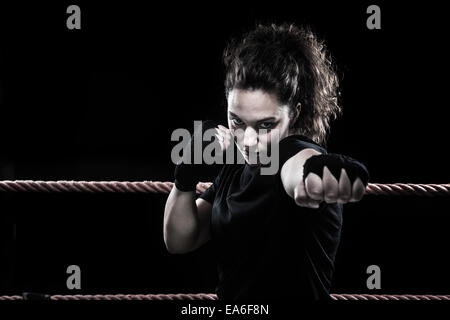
[314, 189]
[186, 221]
[292, 178]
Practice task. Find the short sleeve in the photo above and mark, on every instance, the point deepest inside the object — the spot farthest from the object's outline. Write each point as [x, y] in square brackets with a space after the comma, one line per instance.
[210, 193]
[293, 144]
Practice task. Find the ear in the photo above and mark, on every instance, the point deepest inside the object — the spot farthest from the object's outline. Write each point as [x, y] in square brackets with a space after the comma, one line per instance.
[297, 110]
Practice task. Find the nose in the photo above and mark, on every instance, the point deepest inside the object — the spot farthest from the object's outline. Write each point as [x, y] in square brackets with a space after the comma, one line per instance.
[250, 139]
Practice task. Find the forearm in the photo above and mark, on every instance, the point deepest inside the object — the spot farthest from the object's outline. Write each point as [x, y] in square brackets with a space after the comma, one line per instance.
[310, 178]
[181, 222]
[292, 170]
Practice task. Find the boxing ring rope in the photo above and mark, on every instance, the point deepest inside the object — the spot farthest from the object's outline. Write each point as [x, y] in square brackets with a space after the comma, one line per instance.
[210, 296]
[394, 189]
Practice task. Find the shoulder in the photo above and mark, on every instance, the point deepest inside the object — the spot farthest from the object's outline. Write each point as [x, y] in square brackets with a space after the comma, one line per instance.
[297, 140]
[293, 144]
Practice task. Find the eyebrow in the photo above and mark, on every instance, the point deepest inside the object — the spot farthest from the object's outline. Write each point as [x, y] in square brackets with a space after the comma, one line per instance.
[261, 120]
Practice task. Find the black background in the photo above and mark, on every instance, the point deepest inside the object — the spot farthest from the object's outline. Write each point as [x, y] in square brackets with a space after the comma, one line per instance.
[100, 103]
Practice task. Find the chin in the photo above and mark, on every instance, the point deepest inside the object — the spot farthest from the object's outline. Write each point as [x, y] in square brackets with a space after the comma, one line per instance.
[247, 159]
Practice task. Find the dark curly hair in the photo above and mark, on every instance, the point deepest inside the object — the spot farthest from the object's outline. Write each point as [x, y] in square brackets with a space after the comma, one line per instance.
[293, 64]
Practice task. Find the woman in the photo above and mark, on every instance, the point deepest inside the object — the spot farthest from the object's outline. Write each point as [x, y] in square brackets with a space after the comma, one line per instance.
[274, 236]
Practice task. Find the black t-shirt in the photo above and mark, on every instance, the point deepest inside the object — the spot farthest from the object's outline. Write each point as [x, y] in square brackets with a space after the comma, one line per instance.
[267, 247]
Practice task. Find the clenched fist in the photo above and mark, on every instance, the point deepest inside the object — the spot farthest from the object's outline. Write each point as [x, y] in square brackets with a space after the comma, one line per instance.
[331, 178]
[224, 137]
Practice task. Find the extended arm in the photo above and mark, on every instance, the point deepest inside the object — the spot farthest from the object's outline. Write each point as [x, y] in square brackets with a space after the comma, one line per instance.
[312, 190]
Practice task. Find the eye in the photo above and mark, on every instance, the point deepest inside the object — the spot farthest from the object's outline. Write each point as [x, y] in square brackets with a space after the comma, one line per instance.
[266, 125]
[237, 122]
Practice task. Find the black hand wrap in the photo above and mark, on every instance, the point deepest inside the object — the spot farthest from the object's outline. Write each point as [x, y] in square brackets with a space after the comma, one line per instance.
[187, 173]
[335, 163]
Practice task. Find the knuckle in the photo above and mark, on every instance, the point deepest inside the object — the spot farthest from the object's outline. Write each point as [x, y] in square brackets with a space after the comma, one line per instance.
[331, 190]
[300, 198]
[359, 192]
[331, 198]
[314, 204]
[345, 198]
[331, 194]
[360, 196]
[356, 197]
[314, 190]
[300, 202]
[345, 194]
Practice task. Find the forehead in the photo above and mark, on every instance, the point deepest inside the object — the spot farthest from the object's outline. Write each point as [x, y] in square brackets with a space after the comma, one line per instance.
[250, 104]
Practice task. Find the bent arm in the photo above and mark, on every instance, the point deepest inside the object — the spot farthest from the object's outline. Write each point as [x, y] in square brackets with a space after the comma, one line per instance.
[186, 221]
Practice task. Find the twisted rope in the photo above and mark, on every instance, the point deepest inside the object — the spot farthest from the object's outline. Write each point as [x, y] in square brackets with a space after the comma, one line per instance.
[210, 296]
[393, 189]
[92, 186]
[378, 297]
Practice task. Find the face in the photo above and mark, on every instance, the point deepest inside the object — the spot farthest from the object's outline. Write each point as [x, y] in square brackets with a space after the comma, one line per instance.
[256, 119]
